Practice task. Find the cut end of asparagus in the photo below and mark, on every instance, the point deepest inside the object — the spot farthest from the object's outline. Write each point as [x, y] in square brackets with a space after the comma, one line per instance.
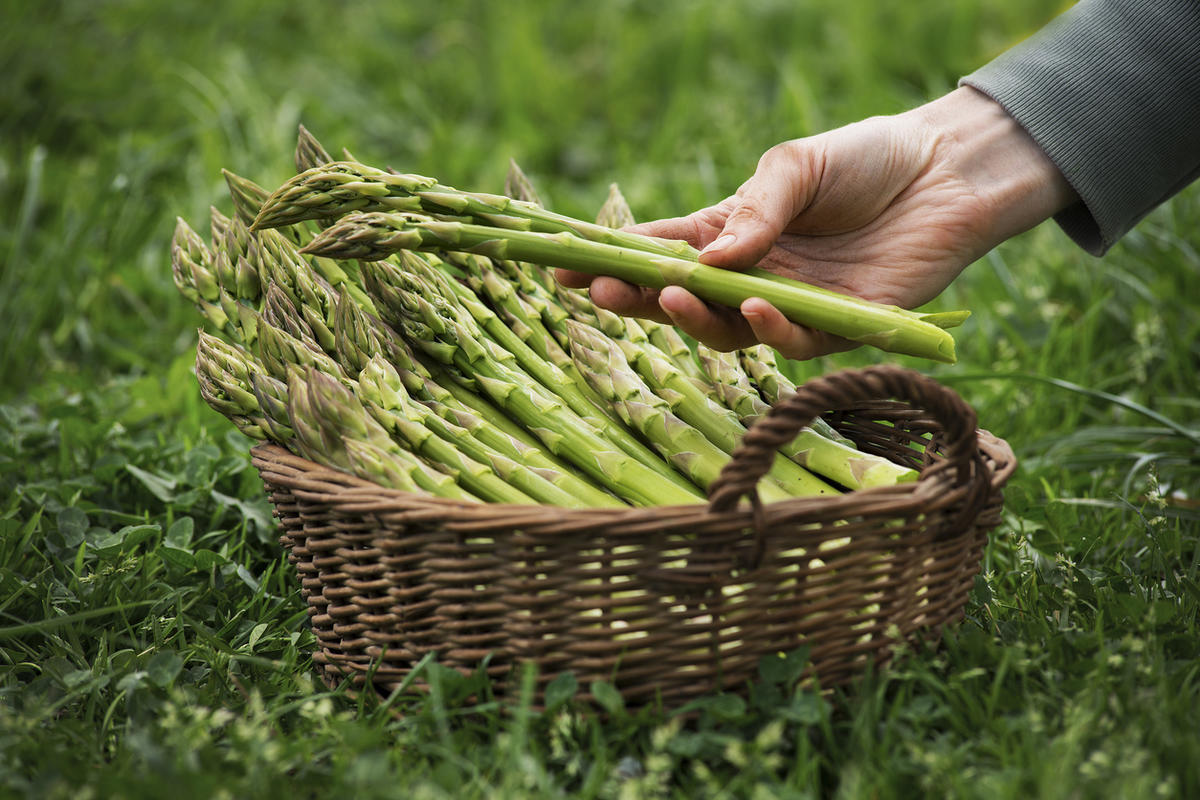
[946, 319]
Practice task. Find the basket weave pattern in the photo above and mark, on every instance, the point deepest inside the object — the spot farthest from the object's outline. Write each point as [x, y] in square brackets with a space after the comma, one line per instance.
[670, 602]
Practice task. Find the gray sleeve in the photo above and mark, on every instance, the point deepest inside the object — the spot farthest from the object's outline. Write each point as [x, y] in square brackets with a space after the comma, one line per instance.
[1110, 90]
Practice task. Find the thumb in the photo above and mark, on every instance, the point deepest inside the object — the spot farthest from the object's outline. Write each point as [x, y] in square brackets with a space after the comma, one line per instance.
[762, 208]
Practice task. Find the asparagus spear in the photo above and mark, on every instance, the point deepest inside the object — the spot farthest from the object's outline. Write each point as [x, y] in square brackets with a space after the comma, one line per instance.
[309, 152]
[838, 462]
[397, 469]
[383, 394]
[248, 197]
[615, 213]
[327, 417]
[218, 225]
[518, 186]
[551, 377]
[562, 431]
[675, 420]
[498, 481]
[225, 374]
[334, 189]
[360, 335]
[376, 235]
[195, 276]
[760, 364]
[273, 401]
[679, 443]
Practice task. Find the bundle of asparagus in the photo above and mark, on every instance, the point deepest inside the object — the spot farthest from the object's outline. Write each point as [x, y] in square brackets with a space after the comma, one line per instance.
[438, 364]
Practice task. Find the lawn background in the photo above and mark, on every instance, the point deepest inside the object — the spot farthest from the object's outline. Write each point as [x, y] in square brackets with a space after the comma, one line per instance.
[152, 640]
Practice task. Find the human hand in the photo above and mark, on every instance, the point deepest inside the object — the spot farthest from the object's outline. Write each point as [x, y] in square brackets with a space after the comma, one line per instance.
[890, 209]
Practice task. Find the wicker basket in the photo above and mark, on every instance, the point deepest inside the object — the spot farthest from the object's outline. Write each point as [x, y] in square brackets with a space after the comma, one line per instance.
[667, 603]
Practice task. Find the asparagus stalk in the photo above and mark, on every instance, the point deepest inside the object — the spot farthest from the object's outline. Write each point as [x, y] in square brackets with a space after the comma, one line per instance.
[248, 197]
[562, 431]
[725, 377]
[519, 314]
[551, 377]
[377, 235]
[760, 364]
[384, 396]
[774, 386]
[668, 401]
[841, 463]
[218, 225]
[615, 213]
[327, 418]
[360, 336]
[278, 350]
[397, 469]
[272, 398]
[338, 188]
[499, 480]
[195, 276]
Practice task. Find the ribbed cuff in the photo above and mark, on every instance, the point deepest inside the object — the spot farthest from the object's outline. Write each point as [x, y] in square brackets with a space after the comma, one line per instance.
[1110, 91]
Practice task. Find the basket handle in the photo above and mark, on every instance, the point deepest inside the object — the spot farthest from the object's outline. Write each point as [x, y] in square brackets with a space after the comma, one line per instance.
[834, 392]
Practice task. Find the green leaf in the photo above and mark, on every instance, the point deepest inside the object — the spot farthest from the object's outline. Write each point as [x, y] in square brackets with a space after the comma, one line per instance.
[259, 513]
[783, 669]
[608, 697]
[246, 577]
[133, 535]
[160, 487]
[560, 690]
[177, 557]
[180, 533]
[256, 633]
[806, 709]
[163, 668]
[106, 543]
[724, 706]
[72, 524]
[207, 559]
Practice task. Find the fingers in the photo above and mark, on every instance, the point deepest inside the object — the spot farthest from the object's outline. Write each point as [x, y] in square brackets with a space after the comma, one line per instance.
[793, 341]
[697, 229]
[572, 279]
[757, 321]
[626, 298]
[717, 326]
[779, 190]
[684, 228]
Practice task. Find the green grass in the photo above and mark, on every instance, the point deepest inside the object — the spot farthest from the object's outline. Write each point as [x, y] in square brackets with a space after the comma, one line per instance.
[152, 638]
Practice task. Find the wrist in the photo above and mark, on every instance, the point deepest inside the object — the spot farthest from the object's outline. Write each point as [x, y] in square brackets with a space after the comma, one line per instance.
[989, 151]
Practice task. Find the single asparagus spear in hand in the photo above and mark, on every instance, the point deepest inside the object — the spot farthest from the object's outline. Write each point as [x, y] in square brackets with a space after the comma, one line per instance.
[376, 235]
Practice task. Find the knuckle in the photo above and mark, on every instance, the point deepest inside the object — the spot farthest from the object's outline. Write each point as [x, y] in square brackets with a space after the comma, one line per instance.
[748, 211]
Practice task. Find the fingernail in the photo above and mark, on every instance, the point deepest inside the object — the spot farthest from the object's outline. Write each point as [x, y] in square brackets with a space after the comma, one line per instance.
[720, 243]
